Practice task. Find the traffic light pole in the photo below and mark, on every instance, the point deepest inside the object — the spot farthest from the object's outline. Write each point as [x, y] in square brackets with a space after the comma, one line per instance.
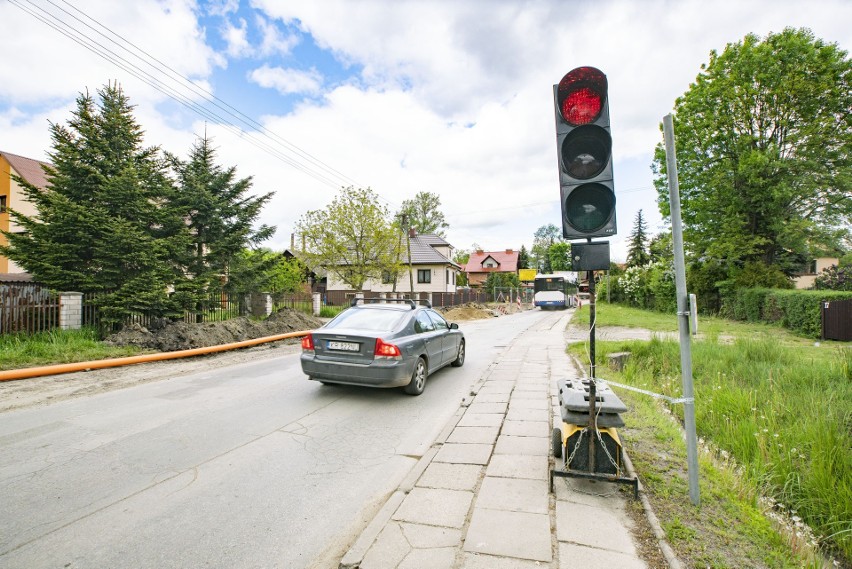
[593, 394]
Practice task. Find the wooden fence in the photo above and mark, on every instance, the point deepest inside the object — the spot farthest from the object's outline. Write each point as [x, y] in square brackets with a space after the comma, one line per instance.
[837, 320]
[27, 307]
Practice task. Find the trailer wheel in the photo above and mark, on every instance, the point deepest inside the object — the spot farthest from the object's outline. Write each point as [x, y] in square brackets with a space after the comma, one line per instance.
[556, 442]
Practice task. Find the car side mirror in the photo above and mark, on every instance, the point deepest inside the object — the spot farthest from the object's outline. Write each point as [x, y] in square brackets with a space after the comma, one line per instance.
[454, 326]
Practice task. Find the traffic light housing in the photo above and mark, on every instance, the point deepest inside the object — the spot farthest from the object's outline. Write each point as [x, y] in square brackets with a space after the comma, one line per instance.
[584, 150]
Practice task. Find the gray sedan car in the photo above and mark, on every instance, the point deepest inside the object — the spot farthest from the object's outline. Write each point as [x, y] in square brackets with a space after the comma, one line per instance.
[387, 344]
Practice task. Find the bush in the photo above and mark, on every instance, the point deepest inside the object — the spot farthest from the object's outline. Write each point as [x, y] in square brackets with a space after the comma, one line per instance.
[796, 310]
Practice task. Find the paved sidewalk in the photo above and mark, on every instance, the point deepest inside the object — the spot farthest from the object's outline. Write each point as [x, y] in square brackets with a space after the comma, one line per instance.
[479, 499]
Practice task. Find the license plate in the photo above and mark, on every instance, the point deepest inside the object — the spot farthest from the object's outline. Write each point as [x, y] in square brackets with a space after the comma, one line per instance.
[344, 346]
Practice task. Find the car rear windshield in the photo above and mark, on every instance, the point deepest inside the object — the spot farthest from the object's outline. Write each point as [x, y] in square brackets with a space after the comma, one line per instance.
[379, 320]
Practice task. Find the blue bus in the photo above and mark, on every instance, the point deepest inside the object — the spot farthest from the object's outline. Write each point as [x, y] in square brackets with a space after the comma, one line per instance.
[553, 291]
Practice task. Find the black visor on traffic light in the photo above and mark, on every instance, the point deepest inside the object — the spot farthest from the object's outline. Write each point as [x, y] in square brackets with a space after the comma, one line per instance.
[586, 151]
[589, 207]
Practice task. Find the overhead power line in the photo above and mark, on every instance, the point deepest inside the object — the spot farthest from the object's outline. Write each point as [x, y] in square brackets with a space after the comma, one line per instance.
[179, 88]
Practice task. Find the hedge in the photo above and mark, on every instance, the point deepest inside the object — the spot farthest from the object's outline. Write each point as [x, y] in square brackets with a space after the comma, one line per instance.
[797, 310]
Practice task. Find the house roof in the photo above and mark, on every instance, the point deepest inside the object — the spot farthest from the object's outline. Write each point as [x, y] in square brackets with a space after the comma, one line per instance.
[29, 169]
[507, 261]
[423, 251]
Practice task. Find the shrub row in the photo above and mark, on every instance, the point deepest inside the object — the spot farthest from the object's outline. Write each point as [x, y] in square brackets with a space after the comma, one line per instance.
[796, 310]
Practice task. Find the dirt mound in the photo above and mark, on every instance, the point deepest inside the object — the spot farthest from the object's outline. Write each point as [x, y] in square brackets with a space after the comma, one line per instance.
[167, 336]
[477, 311]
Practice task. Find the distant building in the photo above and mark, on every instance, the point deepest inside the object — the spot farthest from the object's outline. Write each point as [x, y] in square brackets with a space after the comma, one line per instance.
[432, 270]
[12, 197]
[807, 278]
[482, 263]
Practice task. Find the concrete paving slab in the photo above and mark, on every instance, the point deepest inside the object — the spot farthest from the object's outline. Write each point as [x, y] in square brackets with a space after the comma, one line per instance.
[527, 415]
[451, 476]
[526, 428]
[493, 397]
[425, 537]
[437, 558]
[594, 493]
[477, 407]
[388, 551]
[435, 507]
[519, 466]
[608, 531]
[479, 561]
[482, 435]
[514, 494]
[481, 420]
[572, 556]
[513, 534]
[464, 453]
[497, 385]
[520, 403]
[507, 444]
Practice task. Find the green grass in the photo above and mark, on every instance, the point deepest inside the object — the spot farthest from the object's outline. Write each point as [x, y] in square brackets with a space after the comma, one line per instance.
[19, 351]
[779, 405]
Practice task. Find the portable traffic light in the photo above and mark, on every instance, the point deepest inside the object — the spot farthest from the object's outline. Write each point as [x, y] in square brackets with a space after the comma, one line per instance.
[584, 148]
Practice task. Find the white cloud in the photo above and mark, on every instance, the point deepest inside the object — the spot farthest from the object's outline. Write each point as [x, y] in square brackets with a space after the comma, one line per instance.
[452, 98]
[236, 38]
[287, 81]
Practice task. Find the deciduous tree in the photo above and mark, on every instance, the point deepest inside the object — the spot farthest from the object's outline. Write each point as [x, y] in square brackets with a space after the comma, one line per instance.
[424, 213]
[352, 238]
[764, 151]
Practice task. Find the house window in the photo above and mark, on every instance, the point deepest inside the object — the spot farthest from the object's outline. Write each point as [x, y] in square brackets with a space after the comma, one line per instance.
[424, 276]
[448, 276]
[2, 204]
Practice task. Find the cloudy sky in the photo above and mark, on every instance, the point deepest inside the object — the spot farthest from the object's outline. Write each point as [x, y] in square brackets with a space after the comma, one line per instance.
[447, 96]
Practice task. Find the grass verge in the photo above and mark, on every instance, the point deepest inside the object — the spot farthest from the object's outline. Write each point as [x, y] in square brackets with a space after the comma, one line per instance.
[19, 351]
[777, 406]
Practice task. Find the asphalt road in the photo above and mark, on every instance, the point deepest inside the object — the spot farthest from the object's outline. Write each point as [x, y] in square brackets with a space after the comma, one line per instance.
[250, 465]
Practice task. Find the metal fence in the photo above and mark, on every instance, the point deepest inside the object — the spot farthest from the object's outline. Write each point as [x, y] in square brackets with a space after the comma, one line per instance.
[27, 307]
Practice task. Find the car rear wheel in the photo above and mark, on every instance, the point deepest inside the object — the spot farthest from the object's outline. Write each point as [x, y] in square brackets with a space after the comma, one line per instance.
[418, 378]
[459, 361]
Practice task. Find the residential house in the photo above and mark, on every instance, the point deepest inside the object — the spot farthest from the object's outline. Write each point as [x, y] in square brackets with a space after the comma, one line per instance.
[482, 263]
[432, 271]
[12, 196]
[807, 278]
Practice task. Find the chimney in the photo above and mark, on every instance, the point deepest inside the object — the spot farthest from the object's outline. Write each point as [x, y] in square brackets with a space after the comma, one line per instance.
[292, 241]
[509, 251]
[479, 251]
[412, 232]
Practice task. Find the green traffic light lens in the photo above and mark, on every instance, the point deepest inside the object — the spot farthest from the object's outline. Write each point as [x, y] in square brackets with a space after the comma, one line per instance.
[586, 151]
[589, 207]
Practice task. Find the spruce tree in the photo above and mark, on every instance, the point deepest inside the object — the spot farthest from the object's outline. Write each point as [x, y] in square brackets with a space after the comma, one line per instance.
[637, 253]
[220, 215]
[101, 225]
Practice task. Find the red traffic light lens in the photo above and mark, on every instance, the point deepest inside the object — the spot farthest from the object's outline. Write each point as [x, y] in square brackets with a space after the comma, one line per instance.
[581, 95]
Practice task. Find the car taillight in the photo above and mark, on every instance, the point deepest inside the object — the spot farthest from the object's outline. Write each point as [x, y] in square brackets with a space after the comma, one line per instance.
[308, 343]
[384, 350]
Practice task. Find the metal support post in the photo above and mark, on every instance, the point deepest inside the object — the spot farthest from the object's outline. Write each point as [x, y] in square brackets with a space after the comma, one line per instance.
[682, 313]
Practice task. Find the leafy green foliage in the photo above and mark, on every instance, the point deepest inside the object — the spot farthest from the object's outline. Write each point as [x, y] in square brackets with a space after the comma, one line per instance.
[423, 214]
[764, 140]
[352, 238]
[834, 278]
[502, 280]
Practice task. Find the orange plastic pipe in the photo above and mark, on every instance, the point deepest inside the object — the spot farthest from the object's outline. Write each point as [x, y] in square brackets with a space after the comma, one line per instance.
[25, 373]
